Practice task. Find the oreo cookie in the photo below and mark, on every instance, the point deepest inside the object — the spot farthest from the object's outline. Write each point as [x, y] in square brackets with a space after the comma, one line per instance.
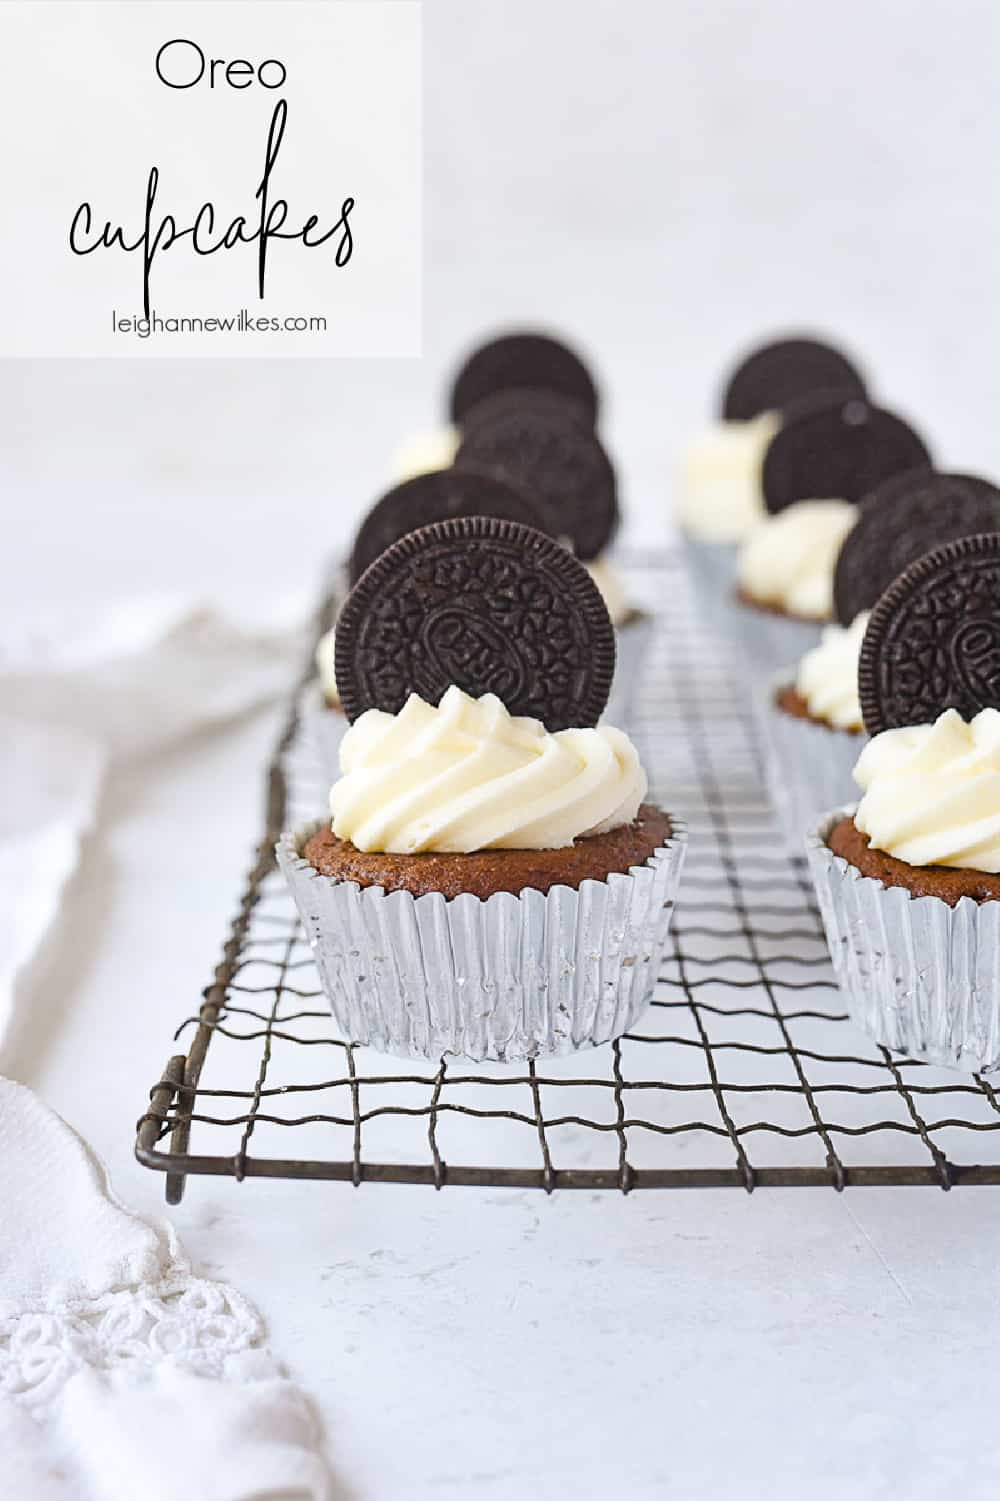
[776, 375]
[490, 605]
[561, 407]
[837, 452]
[933, 642]
[542, 448]
[438, 496]
[530, 360]
[901, 520]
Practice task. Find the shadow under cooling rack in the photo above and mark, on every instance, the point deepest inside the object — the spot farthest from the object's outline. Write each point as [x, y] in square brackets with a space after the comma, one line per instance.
[744, 1072]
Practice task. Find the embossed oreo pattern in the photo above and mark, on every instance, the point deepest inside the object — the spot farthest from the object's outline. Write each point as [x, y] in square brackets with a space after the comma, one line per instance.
[544, 450]
[522, 359]
[439, 496]
[838, 452]
[487, 604]
[776, 375]
[901, 520]
[933, 642]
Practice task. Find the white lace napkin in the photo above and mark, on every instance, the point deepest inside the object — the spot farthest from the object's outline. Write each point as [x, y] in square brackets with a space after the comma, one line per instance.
[121, 1374]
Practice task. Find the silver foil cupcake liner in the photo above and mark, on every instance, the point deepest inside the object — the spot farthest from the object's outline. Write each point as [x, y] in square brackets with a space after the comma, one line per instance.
[509, 978]
[323, 729]
[808, 767]
[919, 976]
[632, 639]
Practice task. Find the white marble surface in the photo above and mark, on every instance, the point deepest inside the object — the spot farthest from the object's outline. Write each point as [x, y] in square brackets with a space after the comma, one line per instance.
[666, 180]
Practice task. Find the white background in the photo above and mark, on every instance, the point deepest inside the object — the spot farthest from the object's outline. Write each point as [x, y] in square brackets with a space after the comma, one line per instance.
[663, 181]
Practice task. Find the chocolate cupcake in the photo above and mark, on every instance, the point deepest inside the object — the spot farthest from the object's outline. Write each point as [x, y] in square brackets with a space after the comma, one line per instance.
[493, 883]
[908, 881]
[824, 461]
[720, 494]
[811, 730]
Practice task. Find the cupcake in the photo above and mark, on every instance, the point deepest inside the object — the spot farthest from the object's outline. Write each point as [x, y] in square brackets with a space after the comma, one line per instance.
[493, 882]
[824, 460]
[908, 881]
[811, 729]
[720, 495]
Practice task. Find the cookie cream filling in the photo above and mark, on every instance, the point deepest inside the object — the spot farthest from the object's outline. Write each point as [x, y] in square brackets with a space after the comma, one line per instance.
[426, 452]
[469, 776]
[932, 792]
[325, 665]
[787, 562]
[827, 678]
[608, 581]
[719, 495]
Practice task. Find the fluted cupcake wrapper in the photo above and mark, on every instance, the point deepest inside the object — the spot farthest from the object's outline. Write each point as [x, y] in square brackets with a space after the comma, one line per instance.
[509, 978]
[919, 976]
[323, 728]
[808, 767]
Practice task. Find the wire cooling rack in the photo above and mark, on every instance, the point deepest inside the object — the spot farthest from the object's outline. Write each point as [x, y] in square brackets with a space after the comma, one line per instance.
[744, 1072]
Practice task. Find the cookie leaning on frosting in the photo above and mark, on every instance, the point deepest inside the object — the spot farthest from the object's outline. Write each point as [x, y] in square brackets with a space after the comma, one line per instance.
[811, 717]
[720, 488]
[909, 881]
[437, 496]
[492, 883]
[520, 359]
[823, 462]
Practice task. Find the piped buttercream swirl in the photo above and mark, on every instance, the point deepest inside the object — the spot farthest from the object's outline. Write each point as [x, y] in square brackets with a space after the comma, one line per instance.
[787, 562]
[827, 678]
[425, 452]
[932, 792]
[719, 496]
[325, 653]
[608, 580]
[469, 776]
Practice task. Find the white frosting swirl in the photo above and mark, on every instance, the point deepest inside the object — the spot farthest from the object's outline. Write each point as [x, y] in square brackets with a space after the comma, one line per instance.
[718, 496]
[787, 562]
[828, 675]
[608, 580]
[932, 792]
[325, 666]
[469, 776]
[425, 452]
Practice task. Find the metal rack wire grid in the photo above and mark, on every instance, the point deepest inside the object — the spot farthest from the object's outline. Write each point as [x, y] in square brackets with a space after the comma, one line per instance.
[744, 1072]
